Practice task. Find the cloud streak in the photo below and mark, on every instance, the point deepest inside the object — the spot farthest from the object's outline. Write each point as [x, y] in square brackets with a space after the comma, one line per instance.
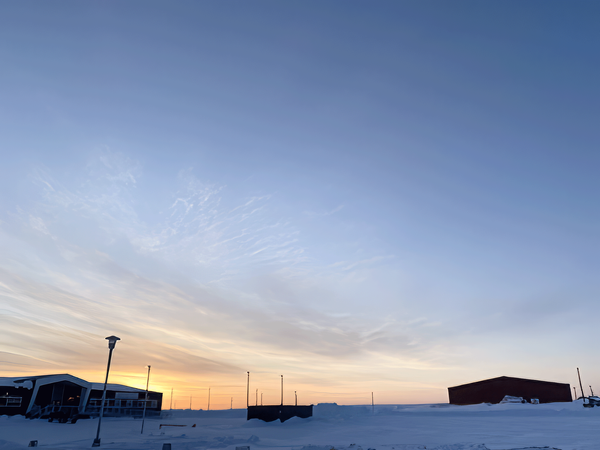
[61, 292]
[198, 227]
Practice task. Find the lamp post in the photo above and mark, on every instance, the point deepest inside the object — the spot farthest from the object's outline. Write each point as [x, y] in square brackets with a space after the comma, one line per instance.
[146, 401]
[112, 340]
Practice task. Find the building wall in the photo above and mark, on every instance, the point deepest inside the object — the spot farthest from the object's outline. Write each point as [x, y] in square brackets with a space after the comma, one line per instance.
[14, 400]
[124, 403]
[282, 412]
[494, 390]
[59, 394]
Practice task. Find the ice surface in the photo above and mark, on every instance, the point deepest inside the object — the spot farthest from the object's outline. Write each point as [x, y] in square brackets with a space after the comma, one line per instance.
[512, 399]
[564, 426]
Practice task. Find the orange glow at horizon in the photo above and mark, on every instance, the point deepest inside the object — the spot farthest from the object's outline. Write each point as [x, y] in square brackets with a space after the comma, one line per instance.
[231, 391]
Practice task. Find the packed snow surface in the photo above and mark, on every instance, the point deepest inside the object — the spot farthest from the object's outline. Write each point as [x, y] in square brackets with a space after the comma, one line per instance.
[564, 426]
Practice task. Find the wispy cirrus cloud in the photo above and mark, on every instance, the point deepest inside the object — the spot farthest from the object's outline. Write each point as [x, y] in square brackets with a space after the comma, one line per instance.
[200, 225]
[93, 256]
[325, 213]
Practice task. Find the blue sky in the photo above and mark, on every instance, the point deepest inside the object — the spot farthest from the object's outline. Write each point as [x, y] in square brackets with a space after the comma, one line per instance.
[386, 196]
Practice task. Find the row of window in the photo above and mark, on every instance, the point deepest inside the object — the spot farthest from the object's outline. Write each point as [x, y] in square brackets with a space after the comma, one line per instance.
[123, 403]
[11, 401]
[16, 402]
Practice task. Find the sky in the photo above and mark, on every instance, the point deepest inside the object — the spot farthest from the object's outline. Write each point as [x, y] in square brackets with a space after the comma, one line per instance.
[387, 197]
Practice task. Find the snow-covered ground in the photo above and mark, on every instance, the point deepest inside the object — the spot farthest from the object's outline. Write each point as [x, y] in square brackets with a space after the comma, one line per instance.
[564, 426]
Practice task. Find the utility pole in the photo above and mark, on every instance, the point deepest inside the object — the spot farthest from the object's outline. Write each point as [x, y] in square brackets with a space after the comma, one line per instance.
[580, 385]
[171, 407]
[256, 400]
[231, 403]
[248, 391]
[281, 390]
[296, 395]
[208, 399]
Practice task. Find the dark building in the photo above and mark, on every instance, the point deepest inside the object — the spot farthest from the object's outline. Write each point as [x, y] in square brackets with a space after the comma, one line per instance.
[494, 390]
[270, 413]
[37, 396]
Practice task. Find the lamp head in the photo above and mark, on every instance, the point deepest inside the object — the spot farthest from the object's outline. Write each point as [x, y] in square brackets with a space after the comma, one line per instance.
[112, 340]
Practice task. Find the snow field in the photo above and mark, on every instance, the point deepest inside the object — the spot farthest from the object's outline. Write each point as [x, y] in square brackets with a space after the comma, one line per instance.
[564, 426]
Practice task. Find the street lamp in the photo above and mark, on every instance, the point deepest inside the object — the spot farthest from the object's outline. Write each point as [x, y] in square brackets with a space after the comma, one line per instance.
[112, 340]
[146, 401]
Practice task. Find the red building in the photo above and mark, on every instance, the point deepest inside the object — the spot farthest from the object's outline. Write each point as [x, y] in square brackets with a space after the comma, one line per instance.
[494, 390]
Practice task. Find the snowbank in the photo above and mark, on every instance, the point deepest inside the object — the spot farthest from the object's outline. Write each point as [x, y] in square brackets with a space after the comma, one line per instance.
[385, 427]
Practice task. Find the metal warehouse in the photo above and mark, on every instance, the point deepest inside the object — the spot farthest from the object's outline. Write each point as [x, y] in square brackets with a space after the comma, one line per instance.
[495, 389]
[37, 396]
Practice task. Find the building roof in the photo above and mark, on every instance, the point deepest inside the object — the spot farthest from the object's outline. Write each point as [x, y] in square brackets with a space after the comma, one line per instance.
[115, 387]
[27, 382]
[489, 380]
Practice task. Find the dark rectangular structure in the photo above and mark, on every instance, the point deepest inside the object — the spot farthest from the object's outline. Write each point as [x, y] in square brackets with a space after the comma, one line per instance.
[494, 390]
[270, 413]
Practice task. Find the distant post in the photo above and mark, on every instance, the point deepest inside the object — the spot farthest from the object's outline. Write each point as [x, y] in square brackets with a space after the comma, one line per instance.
[248, 391]
[372, 403]
[112, 340]
[281, 390]
[296, 396]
